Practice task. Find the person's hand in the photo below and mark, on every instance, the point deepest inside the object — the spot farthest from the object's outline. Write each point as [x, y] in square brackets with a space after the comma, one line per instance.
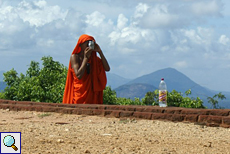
[87, 52]
[97, 48]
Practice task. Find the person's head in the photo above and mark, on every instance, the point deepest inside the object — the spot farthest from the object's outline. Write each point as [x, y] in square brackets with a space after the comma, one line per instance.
[82, 43]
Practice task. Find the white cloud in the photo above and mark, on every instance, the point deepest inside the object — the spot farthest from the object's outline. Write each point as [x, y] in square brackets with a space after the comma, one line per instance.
[121, 21]
[207, 7]
[45, 43]
[181, 64]
[95, 19]
[224, 40]
[140, 10]
[38, 13]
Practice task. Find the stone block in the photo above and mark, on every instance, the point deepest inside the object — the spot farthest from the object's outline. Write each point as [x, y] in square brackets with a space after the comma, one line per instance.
[126, 113]
[176, 117]
[159, 116]
[195, 111]
[142, 115]
[191, 118]
[226, 120]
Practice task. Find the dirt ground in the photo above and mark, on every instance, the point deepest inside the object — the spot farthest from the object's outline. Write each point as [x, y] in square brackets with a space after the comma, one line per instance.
[76, 134]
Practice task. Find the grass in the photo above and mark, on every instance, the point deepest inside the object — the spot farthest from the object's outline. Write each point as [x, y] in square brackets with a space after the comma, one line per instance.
[44, 115]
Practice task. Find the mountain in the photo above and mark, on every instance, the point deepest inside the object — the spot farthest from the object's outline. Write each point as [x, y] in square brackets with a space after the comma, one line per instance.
[134, 90]
[115, 81]
[175, 80]
[1, 75]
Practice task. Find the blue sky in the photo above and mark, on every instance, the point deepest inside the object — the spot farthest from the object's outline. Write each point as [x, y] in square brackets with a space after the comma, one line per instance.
[137, 37]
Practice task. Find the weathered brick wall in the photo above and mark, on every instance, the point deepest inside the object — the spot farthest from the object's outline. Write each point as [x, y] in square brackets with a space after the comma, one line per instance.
[209, 117]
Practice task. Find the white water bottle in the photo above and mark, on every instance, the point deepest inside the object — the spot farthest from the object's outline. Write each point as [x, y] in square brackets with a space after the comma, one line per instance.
[162, 93]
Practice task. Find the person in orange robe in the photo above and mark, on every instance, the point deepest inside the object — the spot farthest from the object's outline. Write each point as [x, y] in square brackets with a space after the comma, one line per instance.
[86, 77]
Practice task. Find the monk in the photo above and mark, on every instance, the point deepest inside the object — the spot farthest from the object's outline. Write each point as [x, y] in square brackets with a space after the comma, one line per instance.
[86, 77]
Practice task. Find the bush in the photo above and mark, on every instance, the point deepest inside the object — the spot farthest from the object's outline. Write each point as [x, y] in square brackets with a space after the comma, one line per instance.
[214, 100]
[175, 99]
[44, 84]
[2, 95]
[109, 96]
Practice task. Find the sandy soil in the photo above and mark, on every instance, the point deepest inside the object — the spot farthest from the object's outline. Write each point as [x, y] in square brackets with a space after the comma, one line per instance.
[63, 133]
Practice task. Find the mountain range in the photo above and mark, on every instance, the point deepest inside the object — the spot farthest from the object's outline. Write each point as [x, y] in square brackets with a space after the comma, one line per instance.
[174, 79]
[1, 75]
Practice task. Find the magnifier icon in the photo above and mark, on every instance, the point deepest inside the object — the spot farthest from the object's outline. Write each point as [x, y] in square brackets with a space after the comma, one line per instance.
[9, 141]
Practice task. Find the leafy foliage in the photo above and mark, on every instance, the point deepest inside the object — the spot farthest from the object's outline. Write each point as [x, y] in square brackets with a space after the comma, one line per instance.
[44, 84]
[175, 99]
[109, 96]
[2, 95]
[214, 100]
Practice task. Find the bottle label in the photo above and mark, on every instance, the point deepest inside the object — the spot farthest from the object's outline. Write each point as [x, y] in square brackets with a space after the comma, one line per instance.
[163, 96]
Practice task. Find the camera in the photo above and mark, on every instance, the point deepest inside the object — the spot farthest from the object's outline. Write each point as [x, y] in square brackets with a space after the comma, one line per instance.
[91, 44]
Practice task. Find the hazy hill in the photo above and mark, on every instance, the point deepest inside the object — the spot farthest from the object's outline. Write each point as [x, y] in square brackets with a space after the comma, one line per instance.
[115, 81]
[1, 75]
[134, 90]
[174, 80]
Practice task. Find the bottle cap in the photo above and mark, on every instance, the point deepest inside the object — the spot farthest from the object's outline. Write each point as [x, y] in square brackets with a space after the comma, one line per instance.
[162, 78]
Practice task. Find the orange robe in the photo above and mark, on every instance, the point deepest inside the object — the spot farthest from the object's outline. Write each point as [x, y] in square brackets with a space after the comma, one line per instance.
[89, 89]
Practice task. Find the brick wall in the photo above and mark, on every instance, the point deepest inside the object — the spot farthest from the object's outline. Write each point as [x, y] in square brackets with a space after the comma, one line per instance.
[208, 117]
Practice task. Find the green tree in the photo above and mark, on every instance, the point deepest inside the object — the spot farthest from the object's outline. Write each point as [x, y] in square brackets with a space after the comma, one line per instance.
[44, 84]
[2, 95]
[214, 100]
[109, 96]
[151, 98]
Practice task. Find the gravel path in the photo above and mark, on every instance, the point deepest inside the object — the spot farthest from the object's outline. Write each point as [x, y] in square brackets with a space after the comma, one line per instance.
[75, 134]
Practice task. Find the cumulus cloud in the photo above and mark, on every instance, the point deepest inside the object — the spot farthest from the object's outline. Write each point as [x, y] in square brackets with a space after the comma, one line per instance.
[95, 19]
[224, 40]
[121, 21]
[140, 10]
[38, 13]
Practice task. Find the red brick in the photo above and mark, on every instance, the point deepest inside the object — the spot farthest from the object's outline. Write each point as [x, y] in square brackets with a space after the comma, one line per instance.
[191, 118]
[219, 112]
[98, 112]
[108, 112]
[113, 107]
[38, 109]
[77, 111]
[13, 108]
[115, 113]
[130, 108]
[126, 113]
[67, 110]
[202, 118]
[226, 120]
[157, 116]
[172, 110]
[177, 117]
[87, 112]
[210, 119]
[215, 119]
[154, 109]
[4, 106]
[195, 111]
[142, 115]
[48, 109]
